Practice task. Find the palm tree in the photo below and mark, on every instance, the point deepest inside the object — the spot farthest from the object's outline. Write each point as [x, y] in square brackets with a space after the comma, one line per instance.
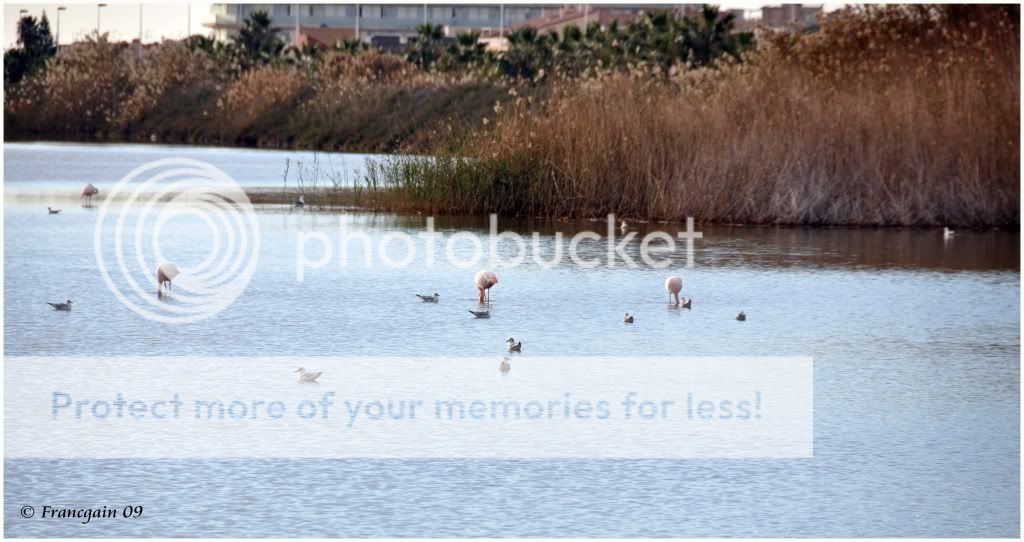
[351, 46]
[467, 51]
[257, 40]
[528, 55]
[710, 35]
[428, 48]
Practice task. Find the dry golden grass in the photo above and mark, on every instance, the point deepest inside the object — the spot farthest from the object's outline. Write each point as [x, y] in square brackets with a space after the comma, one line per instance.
[887, 116]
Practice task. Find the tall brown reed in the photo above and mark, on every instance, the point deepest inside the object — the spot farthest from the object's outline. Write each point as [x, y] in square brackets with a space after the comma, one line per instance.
[370, 102]
[886, 116]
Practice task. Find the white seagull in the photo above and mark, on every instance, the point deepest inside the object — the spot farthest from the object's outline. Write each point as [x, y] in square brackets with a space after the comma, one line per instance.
[429, 298]
[306, 377]
[61, 306]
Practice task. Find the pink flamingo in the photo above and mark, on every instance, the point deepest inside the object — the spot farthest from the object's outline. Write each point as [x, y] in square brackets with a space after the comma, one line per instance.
[165, 273]
[88, 191]
[484, 281]
[674, 285]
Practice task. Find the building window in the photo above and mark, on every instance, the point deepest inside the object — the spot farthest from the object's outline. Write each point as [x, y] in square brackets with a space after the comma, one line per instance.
[389, 12]
[408, 12]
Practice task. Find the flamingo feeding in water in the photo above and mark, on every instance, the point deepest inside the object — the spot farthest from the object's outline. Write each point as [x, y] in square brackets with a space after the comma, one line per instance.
[484, 281]
[165, 273]
[674, 285]
[88, 191]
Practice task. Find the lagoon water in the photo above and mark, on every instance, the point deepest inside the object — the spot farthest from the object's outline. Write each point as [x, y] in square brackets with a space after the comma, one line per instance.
[915, 341]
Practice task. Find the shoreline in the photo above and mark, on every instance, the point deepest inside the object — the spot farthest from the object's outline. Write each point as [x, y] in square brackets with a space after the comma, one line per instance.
[198, 145]
[349, 200]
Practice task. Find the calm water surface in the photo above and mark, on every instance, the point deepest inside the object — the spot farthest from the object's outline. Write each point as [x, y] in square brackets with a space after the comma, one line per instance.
[916, 389]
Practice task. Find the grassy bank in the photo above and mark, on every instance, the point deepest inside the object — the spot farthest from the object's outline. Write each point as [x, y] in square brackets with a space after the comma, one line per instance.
[900, 115]
[889, 116]
[101, 91]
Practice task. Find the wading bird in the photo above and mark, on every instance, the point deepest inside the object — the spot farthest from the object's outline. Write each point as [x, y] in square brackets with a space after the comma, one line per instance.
[165, 273]
[742, 317]
[628, 318]
[480, 314]
[484, 280]
[306, 377]
[429, 298]
[88, 191]
[947, 233]
[674, 285]
[505, 366]
[623, 226]
[66, 306]
[52, 211]
[514, 346]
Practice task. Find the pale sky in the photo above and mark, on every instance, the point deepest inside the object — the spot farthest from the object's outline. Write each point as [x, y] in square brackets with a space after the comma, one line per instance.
[159, 19]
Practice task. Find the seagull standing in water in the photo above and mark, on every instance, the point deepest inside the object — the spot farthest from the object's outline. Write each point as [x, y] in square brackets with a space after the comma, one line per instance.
[307, 377]
[66, 306]
[628, 318]
[52, 211]
[429, 298]
[514, 346]
[742, 317]
[480, 314]
[505, 366]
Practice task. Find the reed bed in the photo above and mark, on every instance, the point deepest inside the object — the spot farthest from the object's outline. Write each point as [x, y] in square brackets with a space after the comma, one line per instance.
[904, 115]
[886, 115]
[103, 91]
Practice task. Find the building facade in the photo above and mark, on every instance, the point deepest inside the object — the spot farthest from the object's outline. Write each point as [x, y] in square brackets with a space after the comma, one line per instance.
[790, 15]
[374, 22]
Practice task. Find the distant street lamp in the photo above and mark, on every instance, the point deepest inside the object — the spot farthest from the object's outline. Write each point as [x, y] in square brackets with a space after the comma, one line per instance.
[59, 9]
[98, 6]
